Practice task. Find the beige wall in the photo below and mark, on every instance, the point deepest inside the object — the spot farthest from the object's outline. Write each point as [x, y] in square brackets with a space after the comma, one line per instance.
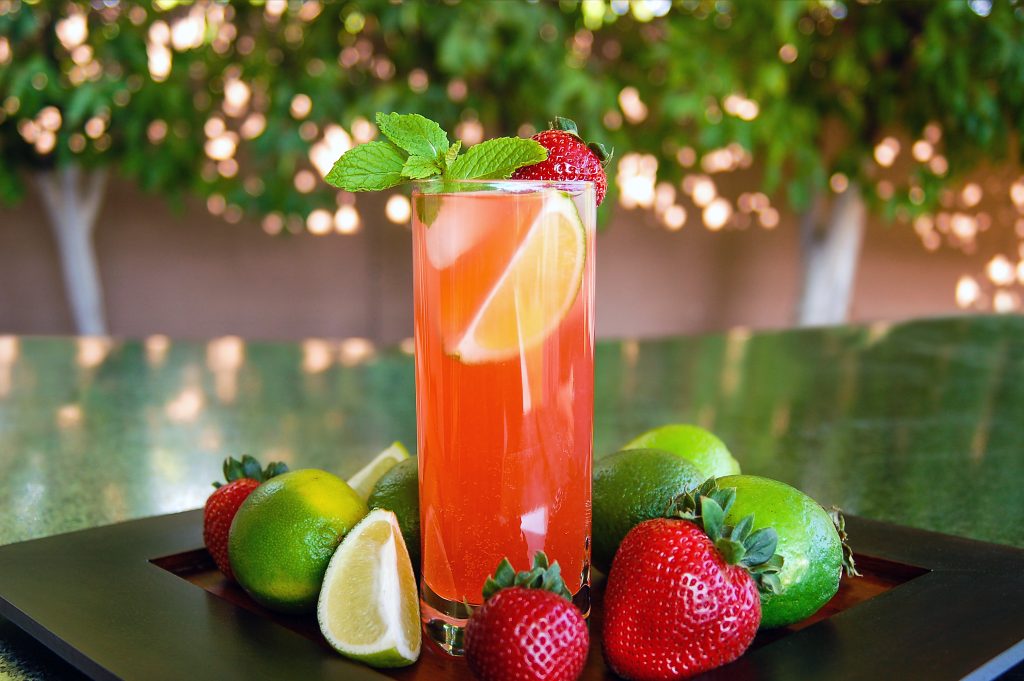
[188, 274]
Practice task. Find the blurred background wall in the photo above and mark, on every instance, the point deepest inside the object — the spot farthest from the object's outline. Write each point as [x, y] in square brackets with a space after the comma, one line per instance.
[779, 163]
[191, 274]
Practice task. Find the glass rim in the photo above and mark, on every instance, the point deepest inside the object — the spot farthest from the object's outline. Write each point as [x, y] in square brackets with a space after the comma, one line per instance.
[567, 185]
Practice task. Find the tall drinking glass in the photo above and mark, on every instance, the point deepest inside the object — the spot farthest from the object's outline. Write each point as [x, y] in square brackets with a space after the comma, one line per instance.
[504, 317]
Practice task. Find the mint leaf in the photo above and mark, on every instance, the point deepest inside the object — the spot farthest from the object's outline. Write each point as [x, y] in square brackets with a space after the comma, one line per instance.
[496, 159]
[452, 154]
[414, 134]
[418, 168]
[427, 208]
[368, 167]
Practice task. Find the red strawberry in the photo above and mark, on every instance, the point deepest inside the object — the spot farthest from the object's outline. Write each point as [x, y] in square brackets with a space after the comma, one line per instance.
[242, 478]
[682, 595]
[569, 158]
[527, 629]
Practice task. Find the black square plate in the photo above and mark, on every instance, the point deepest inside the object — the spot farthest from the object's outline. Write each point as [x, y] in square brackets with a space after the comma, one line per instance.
[139, 601]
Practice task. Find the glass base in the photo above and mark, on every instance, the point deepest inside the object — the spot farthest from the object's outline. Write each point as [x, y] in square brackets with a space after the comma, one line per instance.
[444, 621]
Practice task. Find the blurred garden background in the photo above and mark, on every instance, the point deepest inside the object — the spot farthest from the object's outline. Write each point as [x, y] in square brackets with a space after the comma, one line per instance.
[777, 163]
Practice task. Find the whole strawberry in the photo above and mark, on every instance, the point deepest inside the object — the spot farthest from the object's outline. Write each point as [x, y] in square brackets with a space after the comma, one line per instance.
[527, 629]
[682, 595]
[569, 158]
[242, 478]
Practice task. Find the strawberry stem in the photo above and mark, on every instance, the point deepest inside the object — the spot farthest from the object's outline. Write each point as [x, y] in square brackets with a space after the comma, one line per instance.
[836, 514]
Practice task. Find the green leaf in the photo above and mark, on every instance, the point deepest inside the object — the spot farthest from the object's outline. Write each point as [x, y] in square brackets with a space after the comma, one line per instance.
[742, 529]
[427, 208]
[713, 517]
[491, 586]
[369, 167]
[419, 168]
[251, 468]
[414, 134]
[505, 572]
[496, 159]
[732, 551]
[452, 154]
[771, 583]
[761, 545]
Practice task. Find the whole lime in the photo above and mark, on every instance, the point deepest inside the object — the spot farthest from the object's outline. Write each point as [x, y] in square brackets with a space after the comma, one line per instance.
[698, 446]
[808, 543]
[284, 535]
[398, 491]
[630, 487]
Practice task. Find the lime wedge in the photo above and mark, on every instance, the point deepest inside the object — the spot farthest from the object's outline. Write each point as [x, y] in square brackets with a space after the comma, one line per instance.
[369, 608]
[536, 290]
[364, 481]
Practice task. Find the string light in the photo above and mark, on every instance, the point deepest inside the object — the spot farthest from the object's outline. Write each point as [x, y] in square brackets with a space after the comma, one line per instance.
[886, 151]
[398, 209]
[967, 291]
[346, 220]
[971, 194]
[717, 213]
[319, 222]
[300, 106]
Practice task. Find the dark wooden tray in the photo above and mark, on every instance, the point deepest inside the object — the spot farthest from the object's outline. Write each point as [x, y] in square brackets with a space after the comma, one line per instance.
[122, 602]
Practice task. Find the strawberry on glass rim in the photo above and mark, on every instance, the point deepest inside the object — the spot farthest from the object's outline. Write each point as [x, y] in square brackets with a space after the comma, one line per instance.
[569, 158]
[683, 593]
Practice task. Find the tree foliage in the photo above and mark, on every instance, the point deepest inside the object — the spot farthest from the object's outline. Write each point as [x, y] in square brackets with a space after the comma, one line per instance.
[827, 78]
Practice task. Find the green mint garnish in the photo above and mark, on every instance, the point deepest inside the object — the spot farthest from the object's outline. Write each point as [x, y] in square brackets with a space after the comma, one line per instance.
[496, 159]
[420, 167]
[369, 167]
[414, 134]
[417, 148]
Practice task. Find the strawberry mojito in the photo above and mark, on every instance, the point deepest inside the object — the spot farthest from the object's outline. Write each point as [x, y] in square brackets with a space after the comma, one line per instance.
[504, 299]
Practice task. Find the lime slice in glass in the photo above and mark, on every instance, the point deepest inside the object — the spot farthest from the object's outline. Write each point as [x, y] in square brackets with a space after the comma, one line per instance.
[536, 290]
[369, 608]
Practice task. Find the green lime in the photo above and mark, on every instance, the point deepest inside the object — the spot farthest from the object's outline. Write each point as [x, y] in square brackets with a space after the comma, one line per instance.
[633, 486]
[693, 443]
[284, 535]
[808, 543]
[364, 481]
[369, 607]
[398, 490]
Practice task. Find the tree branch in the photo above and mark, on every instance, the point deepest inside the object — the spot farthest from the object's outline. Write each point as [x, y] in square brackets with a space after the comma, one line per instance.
[90, 202]
[46, 181]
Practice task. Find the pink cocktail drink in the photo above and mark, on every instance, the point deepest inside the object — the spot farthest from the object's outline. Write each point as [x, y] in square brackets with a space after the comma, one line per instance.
[504, 299]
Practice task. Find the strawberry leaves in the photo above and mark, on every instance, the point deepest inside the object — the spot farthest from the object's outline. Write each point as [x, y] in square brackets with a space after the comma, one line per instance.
[250, 468]
[545, 576]
[417, 148]
[754, 550]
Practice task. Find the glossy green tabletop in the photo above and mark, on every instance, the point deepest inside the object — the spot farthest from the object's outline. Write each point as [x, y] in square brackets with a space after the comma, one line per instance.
[919, 423]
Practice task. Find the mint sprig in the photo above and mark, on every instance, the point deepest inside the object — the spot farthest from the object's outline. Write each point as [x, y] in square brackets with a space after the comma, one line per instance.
[369, 167]
[416, 148]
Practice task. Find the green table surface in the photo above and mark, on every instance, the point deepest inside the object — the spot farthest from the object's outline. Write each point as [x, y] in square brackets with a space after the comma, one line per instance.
[918, 423]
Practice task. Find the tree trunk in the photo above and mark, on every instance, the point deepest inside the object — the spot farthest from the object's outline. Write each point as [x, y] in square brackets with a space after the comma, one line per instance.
[830, 254]
[72, 203]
